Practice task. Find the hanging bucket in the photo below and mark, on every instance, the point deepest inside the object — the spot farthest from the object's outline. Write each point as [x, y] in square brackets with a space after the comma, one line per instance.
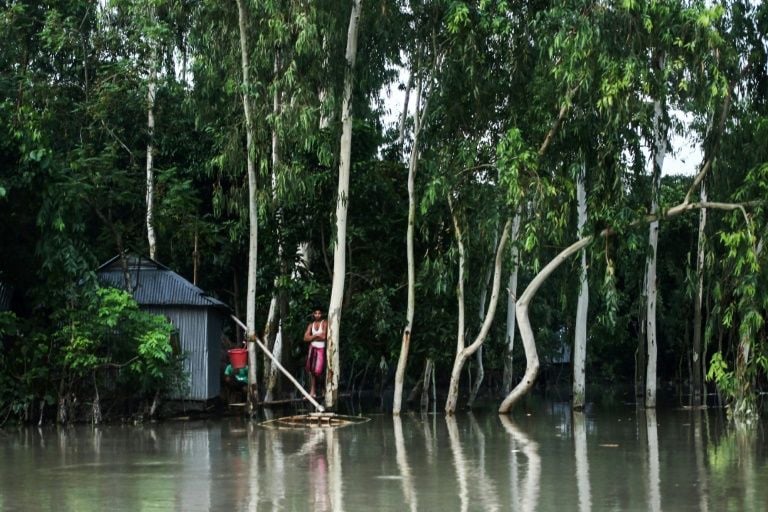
[238, 357]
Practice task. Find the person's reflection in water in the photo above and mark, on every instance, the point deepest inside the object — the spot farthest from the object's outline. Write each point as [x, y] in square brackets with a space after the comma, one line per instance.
[318, 471]
[530, 496]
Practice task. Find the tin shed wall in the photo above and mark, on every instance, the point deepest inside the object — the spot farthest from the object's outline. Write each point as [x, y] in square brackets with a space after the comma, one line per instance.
[215, 327]
[192, 324]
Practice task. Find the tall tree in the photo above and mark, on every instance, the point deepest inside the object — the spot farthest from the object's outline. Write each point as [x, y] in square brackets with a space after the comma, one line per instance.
[253, 216]
[580, 334]
[342, 196]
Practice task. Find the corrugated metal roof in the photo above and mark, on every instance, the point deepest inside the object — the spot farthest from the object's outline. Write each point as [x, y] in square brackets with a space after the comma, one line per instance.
[155, 284]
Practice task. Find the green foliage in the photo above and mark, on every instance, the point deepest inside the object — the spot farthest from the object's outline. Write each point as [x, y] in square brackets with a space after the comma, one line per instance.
[109, 331]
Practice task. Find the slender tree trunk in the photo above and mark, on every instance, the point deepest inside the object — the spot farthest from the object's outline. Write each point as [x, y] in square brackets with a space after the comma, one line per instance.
[274, 334]
[475, 387]
[429, 378]
[407, 330]
[697, 349]
[253, 246]
[339, 253]
[151, 90]
[271, 334]
[580, 341]
[460, 326]
[463, 354]
[658, 152]
[511, 303]
[195, 257]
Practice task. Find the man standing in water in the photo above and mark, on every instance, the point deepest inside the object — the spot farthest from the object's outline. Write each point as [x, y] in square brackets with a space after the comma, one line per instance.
[315, 335]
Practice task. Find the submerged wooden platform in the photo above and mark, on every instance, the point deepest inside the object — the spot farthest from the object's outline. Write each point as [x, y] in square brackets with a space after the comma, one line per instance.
[315, 420]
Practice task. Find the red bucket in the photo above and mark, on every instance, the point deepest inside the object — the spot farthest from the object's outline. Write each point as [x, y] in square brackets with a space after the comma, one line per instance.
[238, 357]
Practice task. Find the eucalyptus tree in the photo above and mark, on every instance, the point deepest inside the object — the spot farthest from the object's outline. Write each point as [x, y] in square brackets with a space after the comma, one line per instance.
[339, 253]
[580, 334]
[483, 94]
[426, 54]
[697, 23]
[737, 311]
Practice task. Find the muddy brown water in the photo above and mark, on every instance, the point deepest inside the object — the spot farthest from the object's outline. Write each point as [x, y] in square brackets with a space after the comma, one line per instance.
[543, 459]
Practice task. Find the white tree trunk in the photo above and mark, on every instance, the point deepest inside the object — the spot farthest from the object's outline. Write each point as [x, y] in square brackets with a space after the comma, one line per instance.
[273, 340]
[407, 330]
[511, 305]
[580, 341]
[462, 354]
[658, 152]
[253, 246]
[698, 347]
[151, 90]
[339, 253]
[274, 331]
[524, 323]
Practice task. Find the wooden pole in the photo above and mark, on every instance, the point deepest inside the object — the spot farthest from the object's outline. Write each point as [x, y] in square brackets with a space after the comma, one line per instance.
[277, 364]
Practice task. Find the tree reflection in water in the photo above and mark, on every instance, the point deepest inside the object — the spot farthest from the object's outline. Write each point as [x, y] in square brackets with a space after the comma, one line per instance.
[530, 495]
[402, 464]
[582, 461]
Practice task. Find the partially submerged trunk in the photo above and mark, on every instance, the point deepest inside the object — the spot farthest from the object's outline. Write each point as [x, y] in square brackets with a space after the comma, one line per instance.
[274, 331]
[511, 305]
[339, 253]
[463, 353]
[697, 352]
[580, 335]
[658, 153]
[407, 330]
[253, 246]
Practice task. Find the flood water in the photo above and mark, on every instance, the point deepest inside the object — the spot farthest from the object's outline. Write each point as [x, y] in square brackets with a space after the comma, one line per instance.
[544, 459]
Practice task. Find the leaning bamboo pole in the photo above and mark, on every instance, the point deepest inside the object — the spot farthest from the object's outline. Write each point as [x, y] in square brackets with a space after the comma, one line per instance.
[280, 367]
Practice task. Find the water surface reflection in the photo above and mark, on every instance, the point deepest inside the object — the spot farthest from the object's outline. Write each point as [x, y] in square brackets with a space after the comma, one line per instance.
[548, 459]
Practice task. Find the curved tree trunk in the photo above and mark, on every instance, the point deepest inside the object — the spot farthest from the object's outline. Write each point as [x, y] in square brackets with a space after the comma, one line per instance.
[339, 253]
[526, 333]
[407, 330]
[463, 354]
[580, 341]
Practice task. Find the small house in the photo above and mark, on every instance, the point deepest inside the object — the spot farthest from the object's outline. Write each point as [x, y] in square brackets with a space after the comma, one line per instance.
[198, 318]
